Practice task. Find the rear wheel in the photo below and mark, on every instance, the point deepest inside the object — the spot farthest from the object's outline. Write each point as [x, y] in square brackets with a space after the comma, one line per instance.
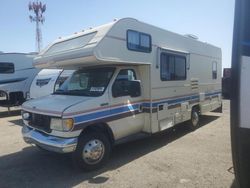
[93, 150]
[195, 119]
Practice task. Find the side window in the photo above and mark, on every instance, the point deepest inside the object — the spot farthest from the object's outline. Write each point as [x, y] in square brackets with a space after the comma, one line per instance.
[6, 68]
[124, 85]
[42, 82]
[126, 74]
[173, 67]
[214, 70]
[138, 41]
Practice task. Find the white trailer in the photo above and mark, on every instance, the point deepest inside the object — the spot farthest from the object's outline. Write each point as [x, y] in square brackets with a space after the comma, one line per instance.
[132, 78]
[16, 75]
[47, 81]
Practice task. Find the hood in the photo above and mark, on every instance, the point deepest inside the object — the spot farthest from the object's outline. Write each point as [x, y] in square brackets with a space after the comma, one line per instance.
[53, 105]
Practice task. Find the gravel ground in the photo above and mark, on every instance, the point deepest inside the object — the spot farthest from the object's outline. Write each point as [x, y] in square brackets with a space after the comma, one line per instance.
[175, 158]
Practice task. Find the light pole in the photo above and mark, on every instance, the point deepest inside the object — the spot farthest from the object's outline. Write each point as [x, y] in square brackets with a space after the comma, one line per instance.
[38, 8]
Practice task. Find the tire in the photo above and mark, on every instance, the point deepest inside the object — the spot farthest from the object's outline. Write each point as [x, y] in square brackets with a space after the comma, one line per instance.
[85, 157]
[194, 122]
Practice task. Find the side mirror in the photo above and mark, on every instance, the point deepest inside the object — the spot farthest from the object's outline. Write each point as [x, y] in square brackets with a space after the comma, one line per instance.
[126, 88]
[135, 88]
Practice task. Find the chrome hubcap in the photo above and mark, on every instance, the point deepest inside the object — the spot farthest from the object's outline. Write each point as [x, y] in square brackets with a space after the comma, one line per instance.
[93, 151]
[195, 118]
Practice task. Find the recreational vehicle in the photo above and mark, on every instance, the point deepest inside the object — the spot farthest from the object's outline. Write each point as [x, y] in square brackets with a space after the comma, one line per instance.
[16, 75]
[131, 79]
[47, 81]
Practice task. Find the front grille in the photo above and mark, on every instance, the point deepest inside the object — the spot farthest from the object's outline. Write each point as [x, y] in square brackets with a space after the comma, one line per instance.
[41, 122]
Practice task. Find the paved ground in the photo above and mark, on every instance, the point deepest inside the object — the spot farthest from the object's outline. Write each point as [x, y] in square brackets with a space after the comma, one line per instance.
[176, 158]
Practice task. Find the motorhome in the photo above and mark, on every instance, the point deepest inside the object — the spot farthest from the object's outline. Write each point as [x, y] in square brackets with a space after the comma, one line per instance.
[131, 79]
[16, 75]
[47, 81]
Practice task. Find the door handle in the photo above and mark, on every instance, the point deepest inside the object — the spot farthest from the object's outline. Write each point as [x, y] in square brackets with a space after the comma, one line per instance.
[140, 108]
[104, 104]
[160, 107]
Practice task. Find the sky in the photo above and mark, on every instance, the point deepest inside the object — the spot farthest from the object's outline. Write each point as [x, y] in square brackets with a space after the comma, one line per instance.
[210, 20]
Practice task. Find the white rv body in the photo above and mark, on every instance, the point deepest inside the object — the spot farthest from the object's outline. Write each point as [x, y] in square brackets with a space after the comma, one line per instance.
[16, 75]
[47, 81]
[177, 74]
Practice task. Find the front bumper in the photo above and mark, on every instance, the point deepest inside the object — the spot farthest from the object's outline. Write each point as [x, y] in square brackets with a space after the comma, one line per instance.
[48, 142]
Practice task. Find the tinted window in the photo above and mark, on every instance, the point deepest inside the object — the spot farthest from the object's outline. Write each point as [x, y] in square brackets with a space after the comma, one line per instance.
[173, 67]
[214, 70]
[138, 41]
[121, 86]
[7, 68]
[126, 74]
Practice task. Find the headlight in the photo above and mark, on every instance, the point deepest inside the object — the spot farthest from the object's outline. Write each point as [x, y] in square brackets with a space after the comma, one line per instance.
[25, 115]
[67, 124]
[61, 124]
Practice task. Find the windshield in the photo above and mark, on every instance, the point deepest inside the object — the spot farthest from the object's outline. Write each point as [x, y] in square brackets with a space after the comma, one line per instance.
[87, 82]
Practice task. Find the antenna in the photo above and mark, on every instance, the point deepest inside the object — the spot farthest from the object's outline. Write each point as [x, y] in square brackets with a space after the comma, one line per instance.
[38, 8]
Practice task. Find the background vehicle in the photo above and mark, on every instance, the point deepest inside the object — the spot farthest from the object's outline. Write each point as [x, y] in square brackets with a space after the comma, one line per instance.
[132, 79]
[226, 83]
[16, 75]
[47, 81]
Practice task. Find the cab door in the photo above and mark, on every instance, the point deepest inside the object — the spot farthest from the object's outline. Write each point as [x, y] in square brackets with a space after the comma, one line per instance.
[126, 103]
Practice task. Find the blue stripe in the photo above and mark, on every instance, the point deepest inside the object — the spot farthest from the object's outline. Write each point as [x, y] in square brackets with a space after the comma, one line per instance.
[214, 93]
[174, 101]
[101, 114]
[129, 108]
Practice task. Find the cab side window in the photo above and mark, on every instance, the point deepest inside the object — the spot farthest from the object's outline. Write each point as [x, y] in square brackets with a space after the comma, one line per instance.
[124, 84]
[214, 70]
[126, 74]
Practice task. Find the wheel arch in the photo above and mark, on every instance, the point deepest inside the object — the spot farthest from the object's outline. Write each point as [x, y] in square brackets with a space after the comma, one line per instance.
[198, 107]
[100, 127]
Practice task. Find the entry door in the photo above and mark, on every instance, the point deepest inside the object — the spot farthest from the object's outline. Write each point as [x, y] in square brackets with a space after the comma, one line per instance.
[127, 110]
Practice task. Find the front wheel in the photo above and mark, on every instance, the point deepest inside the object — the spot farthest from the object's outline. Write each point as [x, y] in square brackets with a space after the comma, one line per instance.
[92, 151]
[195, 119]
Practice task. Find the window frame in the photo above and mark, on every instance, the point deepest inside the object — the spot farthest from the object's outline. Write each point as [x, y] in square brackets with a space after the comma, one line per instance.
[140, 49]
[175, 55]
[13, 70]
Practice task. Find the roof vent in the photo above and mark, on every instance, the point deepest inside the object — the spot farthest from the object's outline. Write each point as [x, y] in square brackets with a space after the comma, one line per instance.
[191, 36]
